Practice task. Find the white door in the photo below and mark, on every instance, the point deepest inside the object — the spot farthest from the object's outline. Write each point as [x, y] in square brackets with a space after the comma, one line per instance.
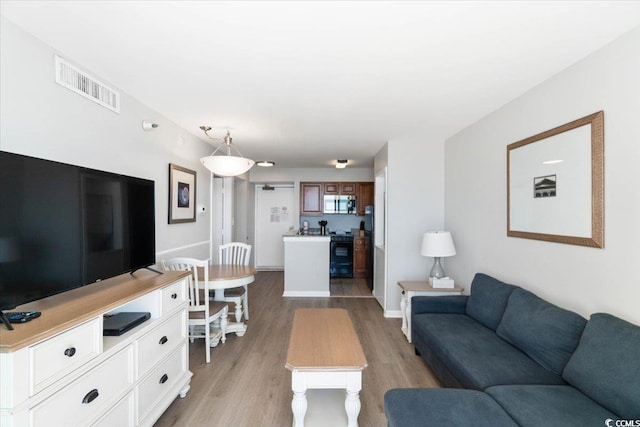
[273, 219]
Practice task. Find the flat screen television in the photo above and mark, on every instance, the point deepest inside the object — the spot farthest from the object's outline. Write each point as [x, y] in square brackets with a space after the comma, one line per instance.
[65, 226]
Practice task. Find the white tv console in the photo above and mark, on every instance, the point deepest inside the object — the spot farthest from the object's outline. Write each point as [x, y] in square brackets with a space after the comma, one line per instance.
[58, 369]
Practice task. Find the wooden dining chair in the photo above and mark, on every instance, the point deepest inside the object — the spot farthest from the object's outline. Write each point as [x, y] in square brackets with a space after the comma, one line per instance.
[203, 312]
[236, 253]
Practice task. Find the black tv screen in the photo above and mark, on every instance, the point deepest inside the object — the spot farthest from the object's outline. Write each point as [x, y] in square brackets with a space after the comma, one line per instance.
[65, 226]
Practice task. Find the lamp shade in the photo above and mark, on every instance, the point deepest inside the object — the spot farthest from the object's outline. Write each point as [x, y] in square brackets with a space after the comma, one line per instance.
[224, 165]
[437, 244]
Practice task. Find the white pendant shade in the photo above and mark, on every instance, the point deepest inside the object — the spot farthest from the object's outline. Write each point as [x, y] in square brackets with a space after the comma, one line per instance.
[227, 165]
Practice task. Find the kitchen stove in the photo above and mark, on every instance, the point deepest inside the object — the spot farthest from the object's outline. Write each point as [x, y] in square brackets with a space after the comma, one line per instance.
[341, 256]
[342, 238]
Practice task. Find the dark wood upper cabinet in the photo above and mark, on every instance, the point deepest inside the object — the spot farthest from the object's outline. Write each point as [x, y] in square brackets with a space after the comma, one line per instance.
[364, 197]
[312, 193]
[332, 188]
[311, 198]
[348, 188]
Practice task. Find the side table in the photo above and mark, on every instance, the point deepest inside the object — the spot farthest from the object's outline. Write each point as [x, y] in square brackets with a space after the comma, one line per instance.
[411, 289]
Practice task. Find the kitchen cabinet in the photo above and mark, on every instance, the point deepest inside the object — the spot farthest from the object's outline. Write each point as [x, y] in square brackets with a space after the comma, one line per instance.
[364, 197]
[348, 188]
[332, 188]
[360, 256]
[311, 198]
[341, 188]
[312, 193]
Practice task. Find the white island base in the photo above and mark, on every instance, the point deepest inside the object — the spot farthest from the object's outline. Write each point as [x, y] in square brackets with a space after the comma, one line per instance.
[306, 266]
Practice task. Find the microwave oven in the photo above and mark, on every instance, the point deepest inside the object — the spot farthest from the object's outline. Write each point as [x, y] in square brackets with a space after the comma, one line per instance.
[339, 205]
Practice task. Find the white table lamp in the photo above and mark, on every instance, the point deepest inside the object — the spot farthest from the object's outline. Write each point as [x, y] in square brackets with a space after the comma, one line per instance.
[437, 244]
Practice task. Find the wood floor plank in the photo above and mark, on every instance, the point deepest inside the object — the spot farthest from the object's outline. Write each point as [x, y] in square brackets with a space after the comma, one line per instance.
[247, 385]
[357, 288]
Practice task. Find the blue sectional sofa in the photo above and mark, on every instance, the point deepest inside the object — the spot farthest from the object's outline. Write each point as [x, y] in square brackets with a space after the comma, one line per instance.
[510, 358]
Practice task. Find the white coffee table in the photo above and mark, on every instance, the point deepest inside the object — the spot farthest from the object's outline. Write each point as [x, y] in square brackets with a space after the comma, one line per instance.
[324, 353]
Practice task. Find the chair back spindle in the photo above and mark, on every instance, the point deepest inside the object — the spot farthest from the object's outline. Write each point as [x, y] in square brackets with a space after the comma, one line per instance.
[235, 253]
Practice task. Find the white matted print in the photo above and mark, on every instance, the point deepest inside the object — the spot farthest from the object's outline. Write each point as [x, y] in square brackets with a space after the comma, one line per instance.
[555, 184]
[182, 194]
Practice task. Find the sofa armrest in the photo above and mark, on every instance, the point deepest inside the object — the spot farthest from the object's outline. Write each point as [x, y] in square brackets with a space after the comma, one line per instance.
[454, 304]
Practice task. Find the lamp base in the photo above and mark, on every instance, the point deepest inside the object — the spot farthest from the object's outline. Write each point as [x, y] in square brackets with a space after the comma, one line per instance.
[437, 271]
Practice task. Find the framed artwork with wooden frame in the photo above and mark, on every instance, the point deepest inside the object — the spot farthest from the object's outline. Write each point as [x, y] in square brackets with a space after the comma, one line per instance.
[182, 194]
[555, 184]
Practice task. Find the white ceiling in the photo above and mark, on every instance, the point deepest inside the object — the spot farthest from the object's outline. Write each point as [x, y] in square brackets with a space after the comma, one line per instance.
[304, 83]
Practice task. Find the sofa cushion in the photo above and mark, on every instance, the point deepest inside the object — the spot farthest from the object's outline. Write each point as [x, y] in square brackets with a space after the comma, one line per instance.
[606, 364]
[421, 407]
[475, 355]
[549, 406]
[547, 333]
[488, 300]
[454, 304]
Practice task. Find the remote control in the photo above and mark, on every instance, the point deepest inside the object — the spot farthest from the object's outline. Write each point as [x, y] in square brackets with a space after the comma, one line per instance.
[22, 316]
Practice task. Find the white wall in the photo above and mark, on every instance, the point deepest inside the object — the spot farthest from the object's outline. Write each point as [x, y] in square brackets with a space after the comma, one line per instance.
[42, 119]
[380, 163]
[582, 279]
[415, 204]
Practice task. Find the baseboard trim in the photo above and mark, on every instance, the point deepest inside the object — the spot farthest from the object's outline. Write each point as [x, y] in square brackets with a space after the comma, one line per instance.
[393, 314]
[306, 294]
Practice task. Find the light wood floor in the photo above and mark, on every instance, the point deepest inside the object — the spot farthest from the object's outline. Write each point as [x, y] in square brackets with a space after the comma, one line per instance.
[356, 288]
[247, 385]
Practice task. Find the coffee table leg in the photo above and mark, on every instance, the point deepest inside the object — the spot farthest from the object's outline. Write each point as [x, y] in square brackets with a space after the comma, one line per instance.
[352, 406]
[299, 402]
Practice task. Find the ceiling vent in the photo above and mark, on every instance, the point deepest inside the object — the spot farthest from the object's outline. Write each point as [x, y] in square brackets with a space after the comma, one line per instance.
[83, 84]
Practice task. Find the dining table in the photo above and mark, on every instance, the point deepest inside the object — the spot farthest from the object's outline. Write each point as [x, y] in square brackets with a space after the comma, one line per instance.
[227, 276]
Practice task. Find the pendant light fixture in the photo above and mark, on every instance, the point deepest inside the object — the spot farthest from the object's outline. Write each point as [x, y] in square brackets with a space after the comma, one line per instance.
[225, 164]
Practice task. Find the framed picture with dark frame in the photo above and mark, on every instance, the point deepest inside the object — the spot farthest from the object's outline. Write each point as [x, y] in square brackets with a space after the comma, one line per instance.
[182, 194]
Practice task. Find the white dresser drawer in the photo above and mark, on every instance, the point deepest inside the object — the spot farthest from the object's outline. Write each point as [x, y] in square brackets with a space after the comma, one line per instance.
[121, 415]
[173, 296]
[52, 359]
[86, 397]
[161, 380]
[161, 341]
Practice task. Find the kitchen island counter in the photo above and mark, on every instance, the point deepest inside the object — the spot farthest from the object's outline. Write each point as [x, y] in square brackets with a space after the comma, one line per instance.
[306, 265]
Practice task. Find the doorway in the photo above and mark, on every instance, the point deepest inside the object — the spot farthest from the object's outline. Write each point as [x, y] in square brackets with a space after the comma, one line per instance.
[274, 218]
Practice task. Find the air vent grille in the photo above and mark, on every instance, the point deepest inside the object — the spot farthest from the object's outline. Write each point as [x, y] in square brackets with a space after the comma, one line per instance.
[83, 84]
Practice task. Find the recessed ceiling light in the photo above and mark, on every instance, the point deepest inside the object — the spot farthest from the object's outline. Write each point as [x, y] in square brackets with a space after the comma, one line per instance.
[265, 163]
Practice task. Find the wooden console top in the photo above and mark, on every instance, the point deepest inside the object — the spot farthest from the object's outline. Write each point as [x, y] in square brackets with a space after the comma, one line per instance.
[65, 310]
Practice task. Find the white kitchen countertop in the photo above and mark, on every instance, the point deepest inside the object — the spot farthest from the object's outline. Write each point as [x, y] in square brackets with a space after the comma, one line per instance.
[305, 238]
[296, 235]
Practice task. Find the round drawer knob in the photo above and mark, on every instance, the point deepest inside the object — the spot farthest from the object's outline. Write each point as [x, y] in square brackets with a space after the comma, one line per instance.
[70, 352]
[174, 296]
